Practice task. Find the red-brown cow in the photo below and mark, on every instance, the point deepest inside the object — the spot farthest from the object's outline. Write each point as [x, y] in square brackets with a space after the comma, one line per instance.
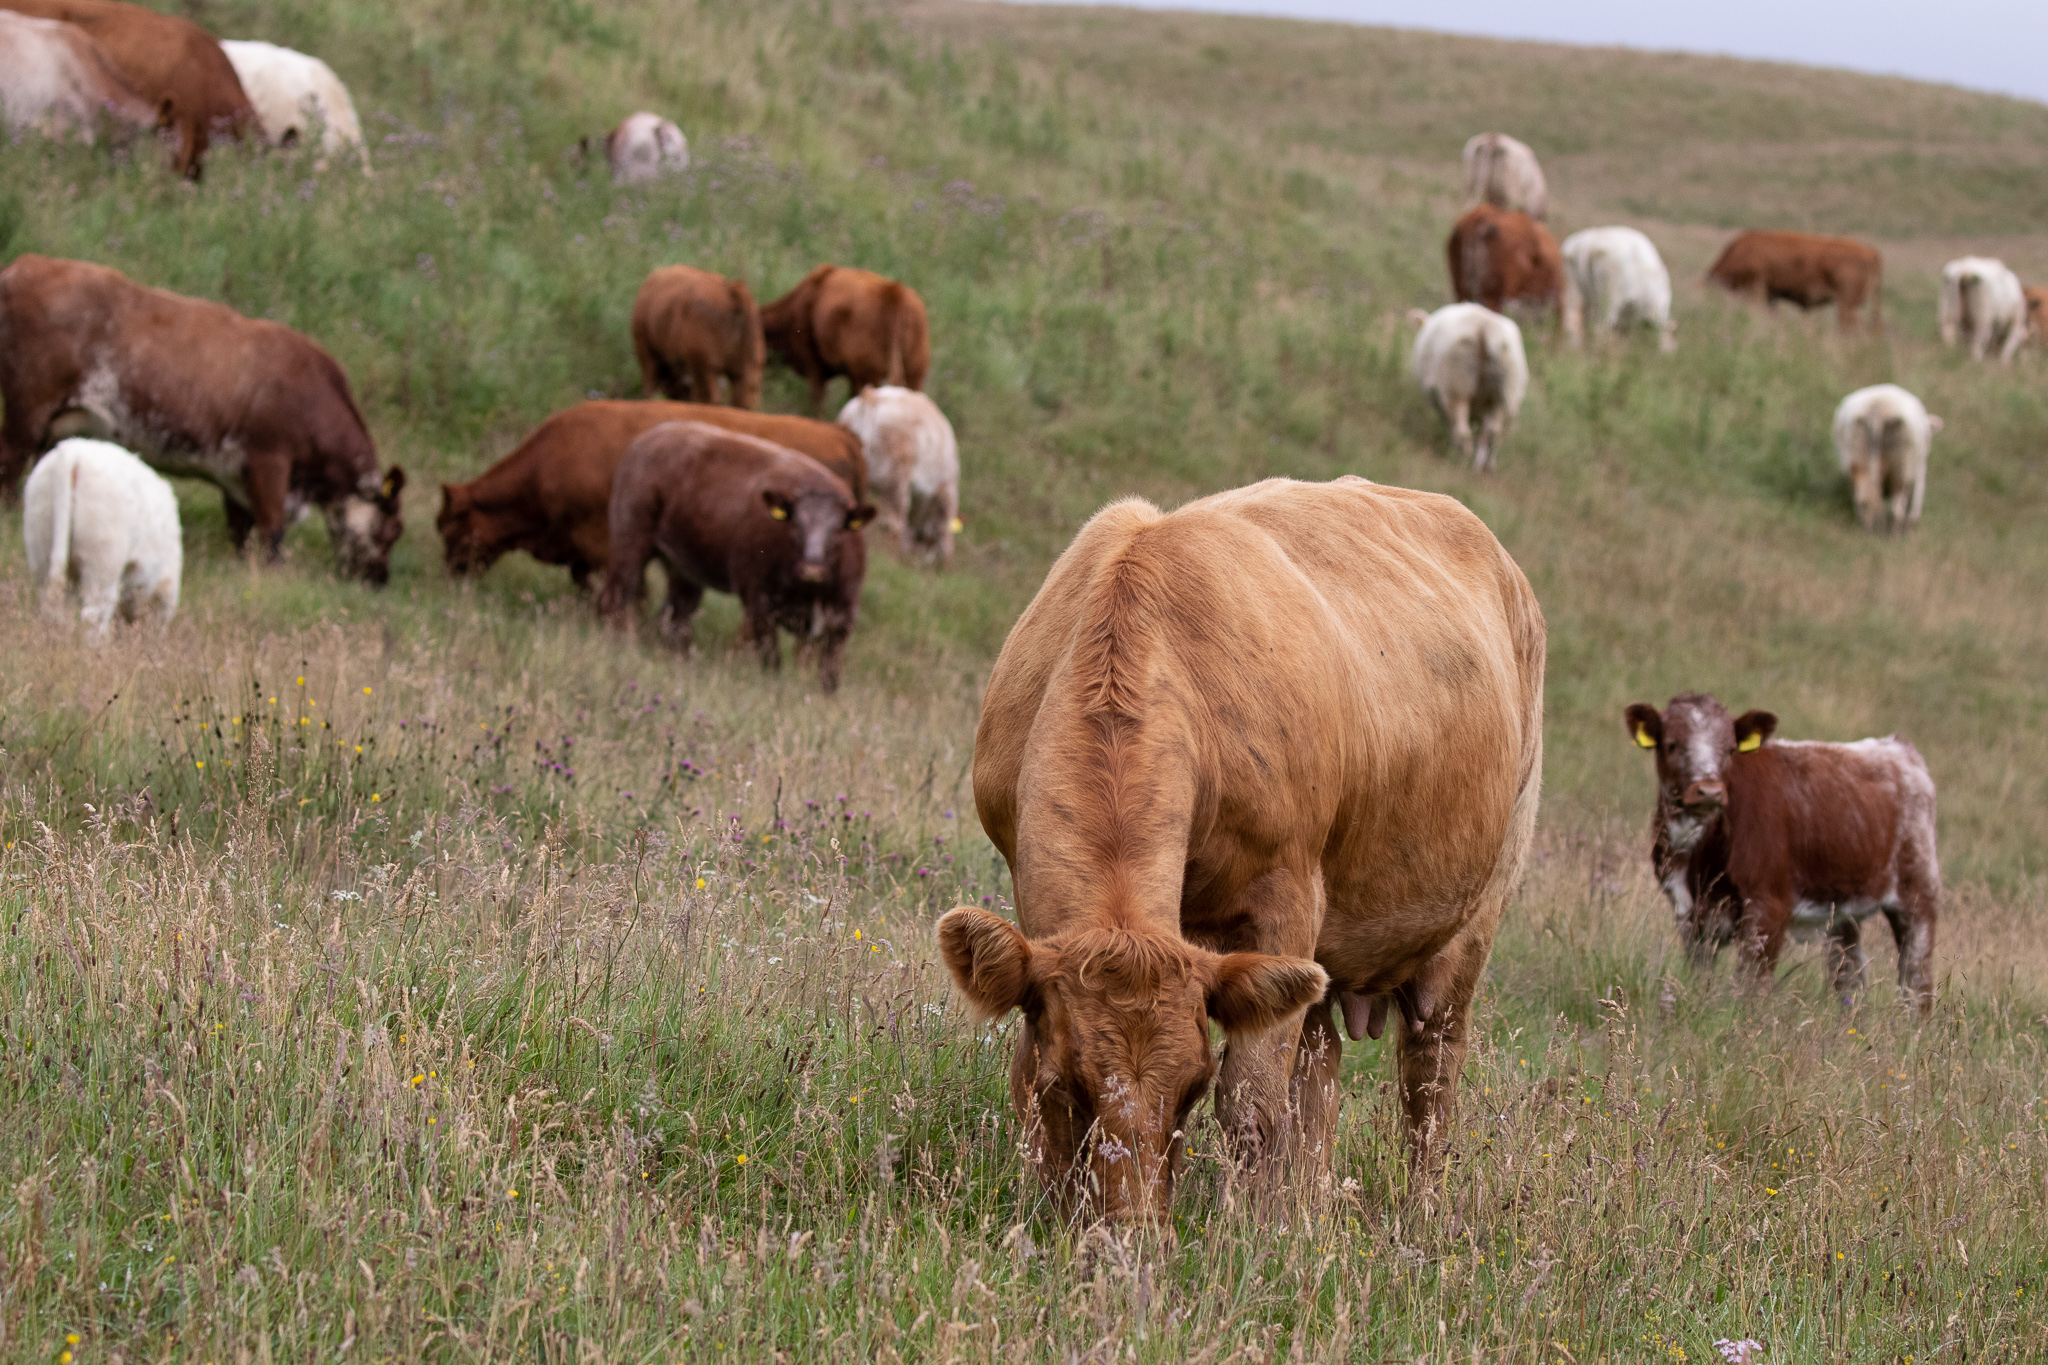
[552, 496]
[1502, 258]
[173, 63]
[851, 322]
[1811, 271]
[737, 514]
[689, 328]
[1756, 837]
[194, 388]
[2037, 311]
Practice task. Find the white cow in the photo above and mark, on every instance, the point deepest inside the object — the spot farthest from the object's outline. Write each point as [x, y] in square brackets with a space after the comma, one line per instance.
[1469, 360]
[1617, 273]
[1882, 435]
[1502, 170]
[646, 147]
[95, 515]
[913, 466]
[1982, 302]
[293, 93]
[55, 79]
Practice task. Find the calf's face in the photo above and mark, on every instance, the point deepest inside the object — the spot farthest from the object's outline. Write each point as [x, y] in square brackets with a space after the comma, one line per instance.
[365, 525]
[1694, 741]
[1114, 1051]
[816, 519]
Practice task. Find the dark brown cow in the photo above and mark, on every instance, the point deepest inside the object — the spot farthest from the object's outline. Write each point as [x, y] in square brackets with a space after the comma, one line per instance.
[1273, 752]
[852, 322]
[1755, 837]
[741, 515]
[194, 388]
[1811, 271]
[552, 496]
[173, 63]
[1501, 258]
[689, 328]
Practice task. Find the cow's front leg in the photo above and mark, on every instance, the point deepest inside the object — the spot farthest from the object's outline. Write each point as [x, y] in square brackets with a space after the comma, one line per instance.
[758, 629]
[269, 480]
[240, 523]
[1262, 1080]
[1846, 960]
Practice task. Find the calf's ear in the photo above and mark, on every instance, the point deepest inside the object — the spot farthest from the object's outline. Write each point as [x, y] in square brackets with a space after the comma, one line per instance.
[860, 516]
[1752, 728]
[1645, 726]
[777, 505]
[989, 957]
[394, 484]
[1253, 991]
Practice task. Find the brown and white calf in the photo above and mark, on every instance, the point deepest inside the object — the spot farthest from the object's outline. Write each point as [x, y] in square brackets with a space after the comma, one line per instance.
[1757, 837]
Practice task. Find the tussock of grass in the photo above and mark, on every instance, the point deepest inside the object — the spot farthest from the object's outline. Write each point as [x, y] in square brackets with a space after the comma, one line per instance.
[280, 1034]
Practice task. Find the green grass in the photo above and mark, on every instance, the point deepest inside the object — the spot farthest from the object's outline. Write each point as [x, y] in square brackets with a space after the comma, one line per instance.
[280, 1034]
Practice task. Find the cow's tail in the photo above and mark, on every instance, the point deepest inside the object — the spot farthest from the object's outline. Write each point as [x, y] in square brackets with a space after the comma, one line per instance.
[56, 570]
[1877, 297]
[894, 319]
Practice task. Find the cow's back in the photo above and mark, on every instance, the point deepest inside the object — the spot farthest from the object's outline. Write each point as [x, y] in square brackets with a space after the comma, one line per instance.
[1355, 666]
[1842, 822]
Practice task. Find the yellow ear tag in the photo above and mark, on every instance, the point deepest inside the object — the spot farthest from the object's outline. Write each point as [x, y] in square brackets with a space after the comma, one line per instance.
[1643, 740]
[958, 525]
[1750, 744]
[780, 514]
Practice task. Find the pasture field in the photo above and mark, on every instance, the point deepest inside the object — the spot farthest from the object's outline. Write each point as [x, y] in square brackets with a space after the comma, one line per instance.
[426, 974]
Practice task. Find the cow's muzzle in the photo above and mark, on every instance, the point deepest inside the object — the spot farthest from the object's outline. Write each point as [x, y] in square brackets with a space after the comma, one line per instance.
[1707, 795]
[811, 573]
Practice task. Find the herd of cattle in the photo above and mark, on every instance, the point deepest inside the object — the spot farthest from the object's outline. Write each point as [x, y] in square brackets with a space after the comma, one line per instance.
[1207, 731]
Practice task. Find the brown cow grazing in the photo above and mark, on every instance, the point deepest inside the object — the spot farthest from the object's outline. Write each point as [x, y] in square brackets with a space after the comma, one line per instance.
[552, 496]
[1274, 751]
[194, 388]
[689, 328]
[1756, 836]
[174, 64]
[2037, 311]
[1810, 271]
[741, 515]
[1504, 259]
[852, 322]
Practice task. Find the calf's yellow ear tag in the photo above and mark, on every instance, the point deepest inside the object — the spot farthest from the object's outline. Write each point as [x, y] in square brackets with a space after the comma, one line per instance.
[1643, 740]
[1750, 744]
[778, 513]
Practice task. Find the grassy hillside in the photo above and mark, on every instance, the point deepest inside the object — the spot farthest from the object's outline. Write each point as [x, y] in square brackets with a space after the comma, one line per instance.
[338, 916]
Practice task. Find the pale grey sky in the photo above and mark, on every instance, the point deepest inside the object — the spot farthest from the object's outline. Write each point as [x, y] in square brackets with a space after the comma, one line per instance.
[1999, 45]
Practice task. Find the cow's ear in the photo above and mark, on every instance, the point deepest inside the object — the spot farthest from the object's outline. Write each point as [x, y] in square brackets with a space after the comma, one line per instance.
[1645, 726]
[860, 516]
[394, 484]
[1252, 991]
[1752, 728]
[989, 957]
[777, 505]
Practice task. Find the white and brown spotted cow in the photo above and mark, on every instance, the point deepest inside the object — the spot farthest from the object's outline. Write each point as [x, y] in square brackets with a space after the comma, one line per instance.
[1757, 837]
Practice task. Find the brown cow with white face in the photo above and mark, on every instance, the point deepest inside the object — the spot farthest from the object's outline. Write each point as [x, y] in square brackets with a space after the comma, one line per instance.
[1272, 753]
[1756, 837]
[194, 388]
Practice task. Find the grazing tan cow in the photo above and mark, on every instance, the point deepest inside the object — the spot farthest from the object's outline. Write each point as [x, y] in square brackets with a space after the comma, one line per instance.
[1810, 271]
[690, 327]
[1470, 362]
[913, 465]
[194, 388]
[1272, 752]
[839, 320]
[2037, 310]
[1502, 171]
[293, 93]
[171, 62]
[55, 79]
[645, 147]
[1756, 837]
[552, 496]
[1505, 260]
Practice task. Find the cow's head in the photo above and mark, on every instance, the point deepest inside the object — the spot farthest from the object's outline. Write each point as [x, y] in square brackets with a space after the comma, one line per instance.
[463, 548]
[1114, 1052]
[1694, 741]
[816, 517]
[365, 524]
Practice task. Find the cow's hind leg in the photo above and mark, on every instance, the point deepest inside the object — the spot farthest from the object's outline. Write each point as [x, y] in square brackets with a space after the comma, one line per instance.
[1460, 415]
[1846, 959]
[678, 610]
[1430, 1044]
[758, 629]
